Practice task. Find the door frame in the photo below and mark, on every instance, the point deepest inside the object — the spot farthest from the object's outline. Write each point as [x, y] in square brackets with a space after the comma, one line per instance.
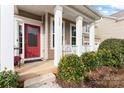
[25, 20]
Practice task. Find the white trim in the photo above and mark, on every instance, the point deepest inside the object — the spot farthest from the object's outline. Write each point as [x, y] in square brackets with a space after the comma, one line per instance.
[51, 32]
[16, 38]
[28, 20]
[35, 58]
[16, 44]
[41, 42]
[23, 44]
[71, 34]
[25, 20]
[63, 32]
[46, 36]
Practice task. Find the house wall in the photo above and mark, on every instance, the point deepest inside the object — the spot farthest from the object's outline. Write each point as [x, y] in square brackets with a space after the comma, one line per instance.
[50, 51]
[29, 15]
[67, 31]
[109, 28]
[67, 35]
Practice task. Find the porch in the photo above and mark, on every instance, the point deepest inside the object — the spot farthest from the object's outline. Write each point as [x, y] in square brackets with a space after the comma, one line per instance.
[35, 69]
[47, 41]
[63, 30]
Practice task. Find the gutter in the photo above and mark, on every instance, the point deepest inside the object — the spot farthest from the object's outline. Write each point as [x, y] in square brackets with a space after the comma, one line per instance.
[78, 13]
[114, 18]
[96, 13]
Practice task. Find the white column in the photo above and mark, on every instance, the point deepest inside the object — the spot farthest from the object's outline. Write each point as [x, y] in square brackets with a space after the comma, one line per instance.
[58, 34]
[79, 30]
[92, 37]
[46, 36]
[7, 37]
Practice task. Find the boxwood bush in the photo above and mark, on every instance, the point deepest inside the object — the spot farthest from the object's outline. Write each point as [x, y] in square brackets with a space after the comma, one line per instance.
[112, 52]
[107, 59]
[90, 61]
[9, 79]
[113, 45]
[70, 69]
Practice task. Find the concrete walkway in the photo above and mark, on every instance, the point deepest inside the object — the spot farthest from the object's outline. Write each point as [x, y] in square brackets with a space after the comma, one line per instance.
[43, 81]
[35, 69]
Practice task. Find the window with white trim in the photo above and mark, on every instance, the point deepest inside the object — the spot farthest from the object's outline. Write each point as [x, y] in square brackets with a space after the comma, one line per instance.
[53, 33]
[87, 28]
[73, 35]
[20, 38]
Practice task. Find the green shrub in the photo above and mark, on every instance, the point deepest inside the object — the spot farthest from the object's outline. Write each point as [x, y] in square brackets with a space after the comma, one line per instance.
[90, 61]
[107, 58]
[111, 44]
[70, 69]
[112, 51]
[8, 79]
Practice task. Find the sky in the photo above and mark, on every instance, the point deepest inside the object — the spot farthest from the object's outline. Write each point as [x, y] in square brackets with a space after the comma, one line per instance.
[108, 9]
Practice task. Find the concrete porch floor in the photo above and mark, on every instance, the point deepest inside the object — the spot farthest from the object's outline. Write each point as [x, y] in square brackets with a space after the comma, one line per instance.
[34, 69]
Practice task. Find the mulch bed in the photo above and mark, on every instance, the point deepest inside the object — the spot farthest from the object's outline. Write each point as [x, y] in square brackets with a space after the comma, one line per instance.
[65, 84]
[21, 84]
[105, 77]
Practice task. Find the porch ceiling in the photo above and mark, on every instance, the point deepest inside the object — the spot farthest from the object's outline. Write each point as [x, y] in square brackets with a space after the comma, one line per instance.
[70, 12]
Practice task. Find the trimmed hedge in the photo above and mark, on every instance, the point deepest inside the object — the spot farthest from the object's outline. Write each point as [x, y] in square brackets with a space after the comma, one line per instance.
[112, 52]
[70, 69]
[113, 45]
[90, 61]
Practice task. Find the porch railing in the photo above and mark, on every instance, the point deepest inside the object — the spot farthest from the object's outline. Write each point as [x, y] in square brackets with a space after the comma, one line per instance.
[68, 49]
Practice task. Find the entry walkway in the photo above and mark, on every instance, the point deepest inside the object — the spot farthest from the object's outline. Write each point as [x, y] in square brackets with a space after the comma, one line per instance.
[31, 70]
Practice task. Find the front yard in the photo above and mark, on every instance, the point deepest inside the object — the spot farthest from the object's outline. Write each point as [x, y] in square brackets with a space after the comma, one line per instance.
[101, 69]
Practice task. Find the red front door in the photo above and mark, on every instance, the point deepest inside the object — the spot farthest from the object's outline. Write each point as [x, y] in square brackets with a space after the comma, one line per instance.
[32, 41]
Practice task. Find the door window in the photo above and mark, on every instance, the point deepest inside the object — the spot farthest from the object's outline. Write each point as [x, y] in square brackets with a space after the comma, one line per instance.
[32, 36]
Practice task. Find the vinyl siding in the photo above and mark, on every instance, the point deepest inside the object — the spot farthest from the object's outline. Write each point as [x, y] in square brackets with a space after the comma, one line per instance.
[108, 28]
